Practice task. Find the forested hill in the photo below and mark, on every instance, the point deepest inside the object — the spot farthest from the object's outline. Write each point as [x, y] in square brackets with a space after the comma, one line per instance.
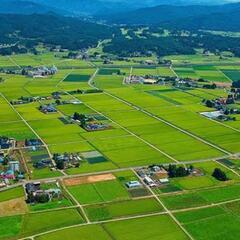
[71, 33]
[182, 16]
[159, 14]
[27, 7]
[229, 21]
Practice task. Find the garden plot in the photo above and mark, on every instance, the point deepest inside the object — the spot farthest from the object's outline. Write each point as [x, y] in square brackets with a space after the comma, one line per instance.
[109, 71]
[77, 78]
[94, 157]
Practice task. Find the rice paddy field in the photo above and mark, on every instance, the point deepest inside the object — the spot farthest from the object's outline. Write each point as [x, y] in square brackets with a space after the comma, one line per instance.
[145, 125]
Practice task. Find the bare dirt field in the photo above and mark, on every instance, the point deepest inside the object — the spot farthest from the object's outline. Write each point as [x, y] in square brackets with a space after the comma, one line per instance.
[89, 179]
[13, 207]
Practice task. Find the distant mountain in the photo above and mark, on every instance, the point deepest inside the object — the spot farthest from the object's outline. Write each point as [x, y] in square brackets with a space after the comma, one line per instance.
[26, 7]
[87, 7]
[167, 13]
[90, 7]
[227, 21]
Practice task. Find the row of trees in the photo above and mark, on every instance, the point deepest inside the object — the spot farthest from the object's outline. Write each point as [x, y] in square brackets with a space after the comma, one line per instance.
[176, 43]
[179, 171]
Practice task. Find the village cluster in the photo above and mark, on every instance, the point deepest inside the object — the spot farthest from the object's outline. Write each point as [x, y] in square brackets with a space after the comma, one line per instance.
[226, 107]
[10, 169]
[158, 175]
[170, 80]
[12, 163]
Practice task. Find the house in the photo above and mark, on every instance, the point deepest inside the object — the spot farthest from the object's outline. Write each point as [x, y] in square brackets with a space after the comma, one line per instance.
[9, 174]
[164, 180]
[133, 184]
[96, 126]
[48, 109]
[33, 142]
[6, 143]
[14, 166]
[67, 160]
[32, 187]
[149, 181]
[40, 72]
[75, 102]
[150, 81]
[212, 115]
[50, 193]
[43, 164]
[149, 62]
[133, 79]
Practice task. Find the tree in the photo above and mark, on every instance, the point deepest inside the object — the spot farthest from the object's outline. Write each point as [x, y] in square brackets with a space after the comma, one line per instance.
[172, 169]
[30, 198]
[42, 198]
[60, 164]
[58, 102]
[209, 103]
[6, 159]
[80, 117]
[181, 172]
[219, 174]
[236, 84]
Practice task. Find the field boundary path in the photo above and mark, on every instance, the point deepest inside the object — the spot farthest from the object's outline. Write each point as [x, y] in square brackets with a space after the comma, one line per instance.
[169, 124]
[166, 212]
[164, 207]
[29, 126]
[130, 132]
[162, 120]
